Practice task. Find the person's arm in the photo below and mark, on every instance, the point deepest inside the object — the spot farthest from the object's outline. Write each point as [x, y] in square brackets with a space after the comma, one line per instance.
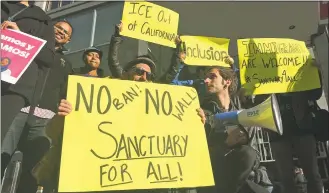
[177, 64]
[64, 108]
[113, 53]
[175, 81]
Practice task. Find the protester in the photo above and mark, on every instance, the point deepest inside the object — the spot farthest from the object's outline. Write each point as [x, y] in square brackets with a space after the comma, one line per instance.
[38, 142]
[31, 19]
[231, 157]
[142, 68]
[298, 136]
[177, 66]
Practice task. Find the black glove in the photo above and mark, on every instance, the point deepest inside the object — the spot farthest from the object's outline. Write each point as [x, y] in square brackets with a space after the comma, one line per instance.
[117, 31]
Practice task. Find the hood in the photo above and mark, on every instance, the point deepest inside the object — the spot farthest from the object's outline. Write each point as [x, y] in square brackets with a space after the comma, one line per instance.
[34, 12]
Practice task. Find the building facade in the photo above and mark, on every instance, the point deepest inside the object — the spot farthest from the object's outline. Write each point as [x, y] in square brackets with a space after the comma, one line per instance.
[93, 24]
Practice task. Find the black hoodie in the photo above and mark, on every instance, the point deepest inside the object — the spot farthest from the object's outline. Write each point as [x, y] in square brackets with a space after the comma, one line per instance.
[36, 22]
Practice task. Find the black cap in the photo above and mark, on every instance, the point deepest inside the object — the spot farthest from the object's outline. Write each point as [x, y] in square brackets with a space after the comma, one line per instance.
[92, 49]
[142, 59]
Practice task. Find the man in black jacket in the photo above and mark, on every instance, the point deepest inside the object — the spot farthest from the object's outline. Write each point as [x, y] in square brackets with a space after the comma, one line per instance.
[142, 68]
[37, 142]
[34, 21]
[298, 137]
[231, 154]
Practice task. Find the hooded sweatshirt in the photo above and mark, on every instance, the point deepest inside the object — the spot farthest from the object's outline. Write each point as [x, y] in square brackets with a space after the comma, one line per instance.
[36, 22]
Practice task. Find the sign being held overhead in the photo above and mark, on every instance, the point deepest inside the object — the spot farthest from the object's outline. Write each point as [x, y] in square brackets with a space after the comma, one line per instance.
[150, 22]
[273, 65]
[125, 135]
[206, 51]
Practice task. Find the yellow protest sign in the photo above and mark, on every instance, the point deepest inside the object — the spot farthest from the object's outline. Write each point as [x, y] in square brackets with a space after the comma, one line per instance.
[206, 51]
[272, 65]
[150, 22]
[130, 135]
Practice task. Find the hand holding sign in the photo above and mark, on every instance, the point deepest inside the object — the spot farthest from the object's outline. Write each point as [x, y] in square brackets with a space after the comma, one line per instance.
[229, 60]
[64, 108]
[202, 115]
[10, 25]
[118, 28]
[141, 153]
[181, 48]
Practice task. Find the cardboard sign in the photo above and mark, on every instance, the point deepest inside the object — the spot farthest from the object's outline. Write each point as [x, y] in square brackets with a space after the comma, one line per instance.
[206, 51]
[271, 65]
[130, 135]
[18, 50]
[150, 22]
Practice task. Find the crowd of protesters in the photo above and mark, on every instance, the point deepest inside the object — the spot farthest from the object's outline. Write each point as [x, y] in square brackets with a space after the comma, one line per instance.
[40, 96]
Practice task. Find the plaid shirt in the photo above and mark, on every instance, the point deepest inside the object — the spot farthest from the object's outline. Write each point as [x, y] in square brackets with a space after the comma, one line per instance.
[39, 112]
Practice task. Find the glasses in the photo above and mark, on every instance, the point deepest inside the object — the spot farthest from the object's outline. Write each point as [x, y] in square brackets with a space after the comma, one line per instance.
[66, 33]
[141, 72]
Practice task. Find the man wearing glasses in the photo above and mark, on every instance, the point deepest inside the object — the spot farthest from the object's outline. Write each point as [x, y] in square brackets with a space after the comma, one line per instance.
[140, 69]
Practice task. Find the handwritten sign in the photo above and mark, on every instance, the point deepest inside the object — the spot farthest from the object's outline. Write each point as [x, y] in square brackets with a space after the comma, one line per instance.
[18, 50]
[206, 51]
[270, 65]
[130, 135]
[147, 21]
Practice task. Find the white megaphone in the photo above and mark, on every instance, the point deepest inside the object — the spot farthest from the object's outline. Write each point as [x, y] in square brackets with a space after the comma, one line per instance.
[266, 115]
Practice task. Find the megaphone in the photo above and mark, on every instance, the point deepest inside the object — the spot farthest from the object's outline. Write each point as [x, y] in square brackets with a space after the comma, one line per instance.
[266, 115]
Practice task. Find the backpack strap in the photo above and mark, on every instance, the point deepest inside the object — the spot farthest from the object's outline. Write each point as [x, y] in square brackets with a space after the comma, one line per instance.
[17, 13]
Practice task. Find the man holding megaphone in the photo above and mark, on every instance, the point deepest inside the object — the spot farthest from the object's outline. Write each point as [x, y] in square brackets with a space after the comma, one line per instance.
[232, 157]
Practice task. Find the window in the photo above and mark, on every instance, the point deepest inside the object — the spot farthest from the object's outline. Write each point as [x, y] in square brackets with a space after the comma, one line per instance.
[107, 17]
[52, 5]
[82, 27]
[66, 3]
[56, 4]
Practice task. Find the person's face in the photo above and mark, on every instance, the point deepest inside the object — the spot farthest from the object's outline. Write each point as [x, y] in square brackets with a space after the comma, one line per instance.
[93, 60]
[63, 32]
[141, 72]
[4, 62]
[215, 82]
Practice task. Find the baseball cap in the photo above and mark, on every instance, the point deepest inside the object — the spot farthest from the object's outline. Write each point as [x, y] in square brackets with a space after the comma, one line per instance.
[92, 49]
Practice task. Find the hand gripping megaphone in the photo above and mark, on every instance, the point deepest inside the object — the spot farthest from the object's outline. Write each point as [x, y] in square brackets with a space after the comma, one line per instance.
[266, 115]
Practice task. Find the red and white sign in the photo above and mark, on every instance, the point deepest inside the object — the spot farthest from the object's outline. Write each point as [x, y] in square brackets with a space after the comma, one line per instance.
[18, 50]
[324, 6]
